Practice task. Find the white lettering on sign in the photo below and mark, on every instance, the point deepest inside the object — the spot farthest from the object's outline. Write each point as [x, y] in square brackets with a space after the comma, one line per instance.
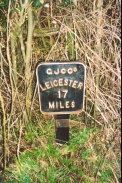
[61, 87]
[62, 93]
[47, 84]
[49, 71]
[61, 82]
[52, 105]
[55, 83]
[70, 70]
[74, 85]
[61, 105]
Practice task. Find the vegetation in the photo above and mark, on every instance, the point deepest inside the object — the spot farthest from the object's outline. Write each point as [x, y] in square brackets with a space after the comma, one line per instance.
[59, 30]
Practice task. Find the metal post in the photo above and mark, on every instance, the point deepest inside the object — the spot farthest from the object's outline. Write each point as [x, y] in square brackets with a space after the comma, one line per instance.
[62, 128]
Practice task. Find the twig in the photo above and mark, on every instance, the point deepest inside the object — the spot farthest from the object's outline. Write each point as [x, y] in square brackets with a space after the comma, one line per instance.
[18, 146]
[3, 119]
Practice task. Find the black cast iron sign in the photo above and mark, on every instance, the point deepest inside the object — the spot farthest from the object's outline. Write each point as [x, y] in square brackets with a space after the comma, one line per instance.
[61, 87]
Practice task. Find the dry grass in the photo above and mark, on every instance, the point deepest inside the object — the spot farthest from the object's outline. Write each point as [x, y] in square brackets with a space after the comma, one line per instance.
[89, 33]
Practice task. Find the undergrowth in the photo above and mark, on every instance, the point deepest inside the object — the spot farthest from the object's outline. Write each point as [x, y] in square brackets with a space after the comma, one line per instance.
[86, 159]
[34, 31]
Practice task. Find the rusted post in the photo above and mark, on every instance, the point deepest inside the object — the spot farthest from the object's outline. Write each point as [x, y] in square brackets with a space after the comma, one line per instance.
[62, 128]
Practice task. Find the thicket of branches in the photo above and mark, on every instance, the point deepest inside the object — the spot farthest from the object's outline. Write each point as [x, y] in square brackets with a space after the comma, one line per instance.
[58, 30]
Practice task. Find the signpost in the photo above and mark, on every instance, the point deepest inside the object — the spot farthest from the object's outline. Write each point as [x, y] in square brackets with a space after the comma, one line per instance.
[61, 87]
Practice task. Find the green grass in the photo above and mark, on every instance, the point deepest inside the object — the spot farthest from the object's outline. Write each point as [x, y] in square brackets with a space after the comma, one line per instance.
[48, 162]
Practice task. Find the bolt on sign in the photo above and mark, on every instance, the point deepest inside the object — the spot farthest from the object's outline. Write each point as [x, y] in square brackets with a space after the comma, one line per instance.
[61, 87]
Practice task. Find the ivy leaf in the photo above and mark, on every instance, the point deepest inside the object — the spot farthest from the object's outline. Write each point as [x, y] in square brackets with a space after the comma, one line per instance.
[13, 12]
[6, 2]
[4, 23]
[37, 3]
[2, 5]
[20, 7]
[62, 4]
[68, 1]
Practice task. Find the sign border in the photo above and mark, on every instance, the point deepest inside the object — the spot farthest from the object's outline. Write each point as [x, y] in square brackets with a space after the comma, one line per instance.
[55, 63]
